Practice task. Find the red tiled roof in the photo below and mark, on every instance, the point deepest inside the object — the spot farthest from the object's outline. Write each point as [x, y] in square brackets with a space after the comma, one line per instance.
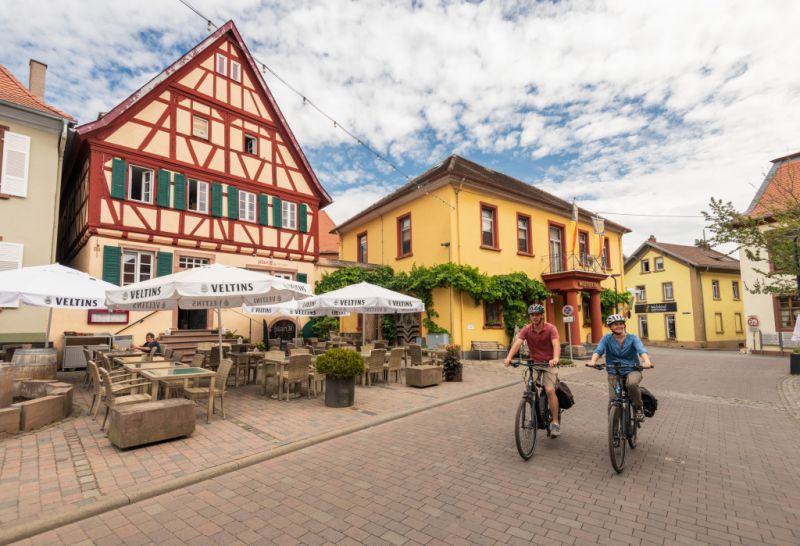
[11, 90]
[692, 255]
[780, 189]
[328, 242]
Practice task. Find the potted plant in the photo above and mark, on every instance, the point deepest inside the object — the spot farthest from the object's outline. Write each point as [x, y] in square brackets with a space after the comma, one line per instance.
[452, 367]
[794, 361]
[341, 367]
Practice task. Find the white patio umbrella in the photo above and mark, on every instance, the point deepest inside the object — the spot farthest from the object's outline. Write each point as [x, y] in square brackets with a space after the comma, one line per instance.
[209, 287]
[365, 298]
[291, 308]
[53, 286]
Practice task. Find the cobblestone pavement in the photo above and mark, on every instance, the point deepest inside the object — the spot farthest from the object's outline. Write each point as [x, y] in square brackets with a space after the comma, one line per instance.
[72, 463]
[717, 465]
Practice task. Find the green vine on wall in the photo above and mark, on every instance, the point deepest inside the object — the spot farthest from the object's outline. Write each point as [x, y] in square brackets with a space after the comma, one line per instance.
[515, 291]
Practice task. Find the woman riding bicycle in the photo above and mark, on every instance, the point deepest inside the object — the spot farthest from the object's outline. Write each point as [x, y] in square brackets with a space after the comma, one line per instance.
[627, 349]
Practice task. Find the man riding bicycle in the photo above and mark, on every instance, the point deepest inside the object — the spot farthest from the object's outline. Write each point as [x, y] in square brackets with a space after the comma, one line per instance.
[543, 346]
[627, 349]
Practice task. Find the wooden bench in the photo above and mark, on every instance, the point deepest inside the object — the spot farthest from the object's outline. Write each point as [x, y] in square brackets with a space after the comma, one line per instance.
[487, 347]
[423, 376]
[148, 422]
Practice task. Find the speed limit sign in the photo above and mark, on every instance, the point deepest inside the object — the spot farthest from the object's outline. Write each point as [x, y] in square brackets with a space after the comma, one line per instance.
[752, 321]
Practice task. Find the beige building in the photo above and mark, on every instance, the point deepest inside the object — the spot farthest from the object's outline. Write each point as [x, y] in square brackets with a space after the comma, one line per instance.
[33, 136]
[685, 296]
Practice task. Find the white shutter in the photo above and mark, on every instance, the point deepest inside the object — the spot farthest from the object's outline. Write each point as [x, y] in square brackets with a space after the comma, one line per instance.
[16, 149]
[10, 258]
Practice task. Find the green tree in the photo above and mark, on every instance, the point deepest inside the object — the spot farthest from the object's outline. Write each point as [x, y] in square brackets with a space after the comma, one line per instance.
[771, 241]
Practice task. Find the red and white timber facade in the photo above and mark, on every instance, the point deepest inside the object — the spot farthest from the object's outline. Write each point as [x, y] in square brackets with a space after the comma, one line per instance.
[198, 166]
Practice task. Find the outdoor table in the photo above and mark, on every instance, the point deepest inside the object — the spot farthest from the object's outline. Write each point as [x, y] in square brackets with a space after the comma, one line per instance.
[245, 359]
[173, 374]
[122, 360]
[138, 366]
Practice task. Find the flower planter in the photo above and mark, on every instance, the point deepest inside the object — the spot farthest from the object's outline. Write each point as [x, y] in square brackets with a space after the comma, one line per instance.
[457, 376]
[340, 391]
[794, 364]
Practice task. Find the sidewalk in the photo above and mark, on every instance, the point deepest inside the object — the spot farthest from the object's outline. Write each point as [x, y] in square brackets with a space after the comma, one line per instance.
[71, 464]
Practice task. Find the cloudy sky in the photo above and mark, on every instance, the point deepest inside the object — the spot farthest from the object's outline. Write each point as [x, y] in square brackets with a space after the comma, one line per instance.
[642, 108]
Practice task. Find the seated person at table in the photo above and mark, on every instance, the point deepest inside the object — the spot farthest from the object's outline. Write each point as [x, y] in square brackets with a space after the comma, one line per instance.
[149, 344]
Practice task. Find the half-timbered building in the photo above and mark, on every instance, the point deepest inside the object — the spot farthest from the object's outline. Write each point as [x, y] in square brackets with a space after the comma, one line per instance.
[198, 166]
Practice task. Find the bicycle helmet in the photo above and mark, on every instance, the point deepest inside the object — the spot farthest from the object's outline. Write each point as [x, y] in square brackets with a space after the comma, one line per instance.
[535, 308]
[614, 318]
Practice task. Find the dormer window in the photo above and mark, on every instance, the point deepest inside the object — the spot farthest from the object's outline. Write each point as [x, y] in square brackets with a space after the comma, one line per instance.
[236, 71]
[222, 64]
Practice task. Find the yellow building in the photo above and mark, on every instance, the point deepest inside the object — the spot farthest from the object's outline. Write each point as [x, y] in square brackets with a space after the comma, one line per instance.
[686, 296]
[33, 135]
[196, 167]
[464, 213]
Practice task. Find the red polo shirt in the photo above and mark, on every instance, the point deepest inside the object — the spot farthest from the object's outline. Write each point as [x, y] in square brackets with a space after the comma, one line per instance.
[540, 344]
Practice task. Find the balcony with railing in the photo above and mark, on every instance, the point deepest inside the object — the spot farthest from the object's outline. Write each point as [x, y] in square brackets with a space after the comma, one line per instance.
[574, 271]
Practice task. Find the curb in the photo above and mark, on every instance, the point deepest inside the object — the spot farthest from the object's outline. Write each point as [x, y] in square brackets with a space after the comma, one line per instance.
[113, 502]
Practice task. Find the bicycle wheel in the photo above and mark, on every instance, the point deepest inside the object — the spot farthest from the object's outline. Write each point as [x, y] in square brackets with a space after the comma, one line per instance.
[633, 426]
[616, 439]
[525, 428]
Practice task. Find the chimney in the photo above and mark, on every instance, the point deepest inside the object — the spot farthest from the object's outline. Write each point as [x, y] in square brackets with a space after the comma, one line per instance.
[651, 239]
[36, 76]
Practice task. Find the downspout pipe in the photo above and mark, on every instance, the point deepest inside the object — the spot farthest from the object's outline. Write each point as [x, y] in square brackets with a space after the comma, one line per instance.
[62, 145]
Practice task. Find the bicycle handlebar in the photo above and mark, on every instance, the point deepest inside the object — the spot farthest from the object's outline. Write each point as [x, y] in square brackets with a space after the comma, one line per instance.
[531, 364]
[599, 366]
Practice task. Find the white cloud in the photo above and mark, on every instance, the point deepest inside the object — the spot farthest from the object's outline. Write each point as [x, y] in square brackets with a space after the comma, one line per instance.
[349, 202]
[642, 107]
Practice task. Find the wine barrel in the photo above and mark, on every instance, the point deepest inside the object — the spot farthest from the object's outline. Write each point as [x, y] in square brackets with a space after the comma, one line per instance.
[35, 363]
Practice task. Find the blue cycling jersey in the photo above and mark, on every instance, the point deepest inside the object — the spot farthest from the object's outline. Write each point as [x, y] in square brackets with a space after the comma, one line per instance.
[627, 355]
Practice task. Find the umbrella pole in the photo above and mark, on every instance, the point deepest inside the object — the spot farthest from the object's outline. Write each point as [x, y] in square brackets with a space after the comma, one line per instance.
[49, 322]
[219, 331]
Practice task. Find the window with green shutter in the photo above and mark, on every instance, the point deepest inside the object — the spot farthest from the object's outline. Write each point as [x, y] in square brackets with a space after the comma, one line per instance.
[164, 264]
[276, 212]
[262, 209]
[180, 192]
[162, 190]
[303, 223]
[302, 277]
[216, 199]
[119, 172]
[233, 203]
[112, 263]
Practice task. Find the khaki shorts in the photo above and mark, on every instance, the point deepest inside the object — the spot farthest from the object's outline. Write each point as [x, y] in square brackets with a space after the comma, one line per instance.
[550, 377]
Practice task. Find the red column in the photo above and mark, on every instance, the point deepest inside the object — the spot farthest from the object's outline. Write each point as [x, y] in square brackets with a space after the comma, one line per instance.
[574, 326]
[597, 316]
[550, 311]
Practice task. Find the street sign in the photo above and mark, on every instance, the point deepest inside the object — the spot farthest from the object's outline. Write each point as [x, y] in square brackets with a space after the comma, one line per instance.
[569, 319]
[567, 310]
[752, 321]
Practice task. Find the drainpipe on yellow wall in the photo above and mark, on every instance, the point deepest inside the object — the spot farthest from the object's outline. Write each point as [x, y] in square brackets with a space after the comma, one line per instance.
[62, 144]
[382, 250]
[458, 258]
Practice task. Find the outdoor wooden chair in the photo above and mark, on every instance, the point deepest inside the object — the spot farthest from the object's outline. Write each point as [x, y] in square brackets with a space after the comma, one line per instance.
[113, 393]
[98, 390]
[198, 360]
[168, 352]
[294, 373]
[273, 344]
[379, 344]
[367, 348]
[374, 364]
[395, 364]
[299, 341]
[315, 378]
[216, 388]
[270, 370]
[415, 355]
[87, 354]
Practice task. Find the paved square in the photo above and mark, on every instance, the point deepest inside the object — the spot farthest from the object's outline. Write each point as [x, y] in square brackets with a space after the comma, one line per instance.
[717, 465]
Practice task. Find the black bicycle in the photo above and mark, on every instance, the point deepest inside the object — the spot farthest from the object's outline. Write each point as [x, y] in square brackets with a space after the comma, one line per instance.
[622, 423]
[533, 411]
